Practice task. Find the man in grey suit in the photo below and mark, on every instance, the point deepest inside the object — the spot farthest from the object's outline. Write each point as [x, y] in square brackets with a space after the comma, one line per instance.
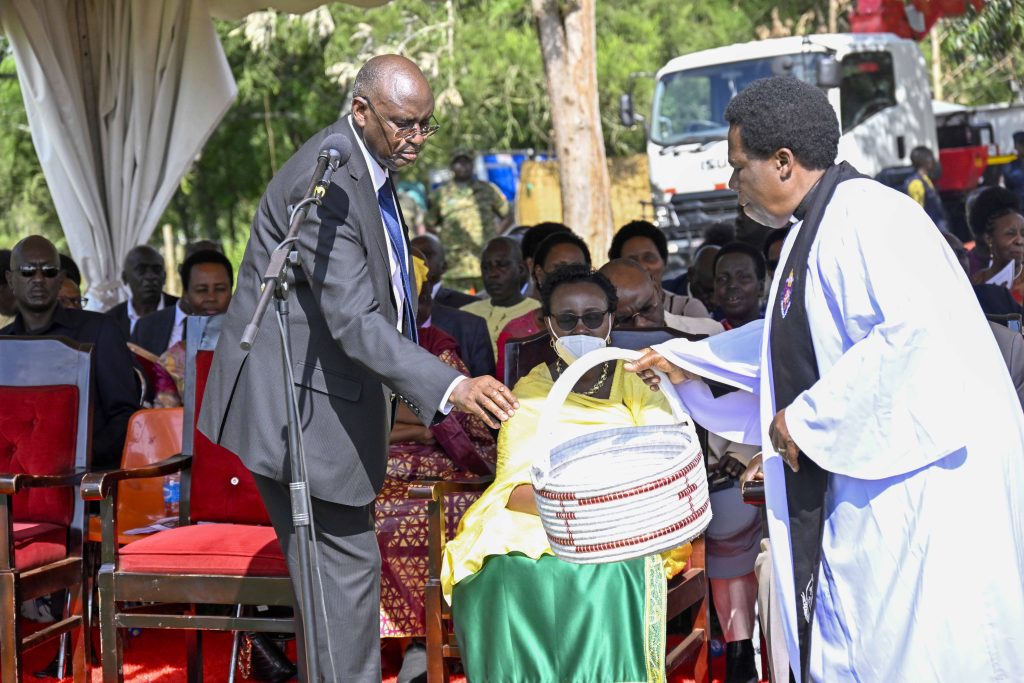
[352, 323]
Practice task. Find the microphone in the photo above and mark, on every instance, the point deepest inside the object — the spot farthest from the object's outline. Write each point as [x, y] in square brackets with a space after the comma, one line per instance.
[336, 149]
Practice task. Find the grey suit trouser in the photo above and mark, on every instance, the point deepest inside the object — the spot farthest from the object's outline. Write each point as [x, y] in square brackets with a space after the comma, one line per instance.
[348, 620]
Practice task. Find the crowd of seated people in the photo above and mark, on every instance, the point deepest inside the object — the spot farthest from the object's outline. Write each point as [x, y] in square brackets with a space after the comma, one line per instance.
[534, 283]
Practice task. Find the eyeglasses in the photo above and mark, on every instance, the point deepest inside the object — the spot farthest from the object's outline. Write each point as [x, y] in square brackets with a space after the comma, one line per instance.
[567, 321]
[73, 302]
[406, 132]
[647, 312]
[49, 272]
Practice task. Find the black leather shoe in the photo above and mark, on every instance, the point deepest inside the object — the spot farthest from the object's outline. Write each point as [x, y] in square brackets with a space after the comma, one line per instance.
[739, 662]
[269, 663]
[414, 664]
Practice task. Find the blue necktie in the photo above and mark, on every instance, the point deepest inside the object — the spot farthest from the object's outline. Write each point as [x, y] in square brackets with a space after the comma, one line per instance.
[394, 227]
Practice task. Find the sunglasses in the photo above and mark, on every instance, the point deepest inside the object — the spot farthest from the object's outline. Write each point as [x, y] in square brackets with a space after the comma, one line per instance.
[567, 321]
[49, 272]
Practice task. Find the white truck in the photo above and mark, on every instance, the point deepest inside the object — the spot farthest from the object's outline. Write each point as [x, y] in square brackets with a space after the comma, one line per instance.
[877, 84]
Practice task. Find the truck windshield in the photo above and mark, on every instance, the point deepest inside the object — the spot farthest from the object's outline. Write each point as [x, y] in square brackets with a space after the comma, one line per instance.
[689, 105]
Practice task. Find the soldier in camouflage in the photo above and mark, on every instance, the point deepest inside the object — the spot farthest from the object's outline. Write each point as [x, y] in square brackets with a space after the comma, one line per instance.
[466, 212]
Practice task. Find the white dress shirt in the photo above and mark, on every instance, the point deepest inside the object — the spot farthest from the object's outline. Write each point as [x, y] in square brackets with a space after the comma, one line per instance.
[133, 317]
[380, 176]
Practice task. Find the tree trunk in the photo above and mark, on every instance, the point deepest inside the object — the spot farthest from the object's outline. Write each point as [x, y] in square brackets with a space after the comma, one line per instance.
[568, 45]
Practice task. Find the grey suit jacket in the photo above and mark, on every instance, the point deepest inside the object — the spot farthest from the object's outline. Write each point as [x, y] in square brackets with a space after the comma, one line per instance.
[348, 358]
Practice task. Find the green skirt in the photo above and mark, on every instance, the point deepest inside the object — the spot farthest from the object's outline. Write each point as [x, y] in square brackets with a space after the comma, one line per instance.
[520, 620]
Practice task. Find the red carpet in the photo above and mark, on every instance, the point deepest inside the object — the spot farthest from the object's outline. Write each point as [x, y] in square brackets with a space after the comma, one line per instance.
[159, 657]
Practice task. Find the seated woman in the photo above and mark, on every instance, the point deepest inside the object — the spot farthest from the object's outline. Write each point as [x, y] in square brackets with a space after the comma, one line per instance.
[460, 446]
[557, 250]
[207, 278]
[995, 217]
[520, 613]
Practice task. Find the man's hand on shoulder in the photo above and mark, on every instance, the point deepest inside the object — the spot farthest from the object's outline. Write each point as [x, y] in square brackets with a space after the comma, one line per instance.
[485, 397]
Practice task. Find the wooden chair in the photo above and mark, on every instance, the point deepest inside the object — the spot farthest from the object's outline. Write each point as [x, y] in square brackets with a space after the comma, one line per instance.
[45, 436]
[232, 558]
[687, 591]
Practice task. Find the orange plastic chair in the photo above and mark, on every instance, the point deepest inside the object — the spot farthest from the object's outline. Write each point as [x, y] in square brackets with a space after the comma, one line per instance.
[154, 434]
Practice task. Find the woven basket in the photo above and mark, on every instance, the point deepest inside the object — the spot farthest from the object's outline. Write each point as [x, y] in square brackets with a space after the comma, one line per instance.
[620, 493]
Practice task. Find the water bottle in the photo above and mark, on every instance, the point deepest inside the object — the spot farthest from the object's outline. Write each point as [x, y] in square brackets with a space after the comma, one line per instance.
[716, 647]
[172, 494]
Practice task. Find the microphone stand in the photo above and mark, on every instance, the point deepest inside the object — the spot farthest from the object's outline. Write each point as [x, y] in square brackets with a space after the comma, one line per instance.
[276, 286]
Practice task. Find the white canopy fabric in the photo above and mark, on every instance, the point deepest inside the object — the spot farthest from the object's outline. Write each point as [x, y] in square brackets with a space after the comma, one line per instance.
[121, 95]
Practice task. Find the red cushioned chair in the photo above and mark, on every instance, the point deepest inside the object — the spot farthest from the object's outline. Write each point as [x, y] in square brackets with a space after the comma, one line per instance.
[45, 432]
[687, 592]
[232, 558]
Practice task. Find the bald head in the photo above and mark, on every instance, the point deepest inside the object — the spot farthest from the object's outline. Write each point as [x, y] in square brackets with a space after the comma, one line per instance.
[35, 279]
[35, 248]
[501, 265]
[432, 249]
[392, 106]
[145, 274]
[639, 295]
[388, 76]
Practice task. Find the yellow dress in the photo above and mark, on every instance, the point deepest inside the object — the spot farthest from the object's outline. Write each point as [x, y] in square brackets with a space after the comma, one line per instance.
[488, 527]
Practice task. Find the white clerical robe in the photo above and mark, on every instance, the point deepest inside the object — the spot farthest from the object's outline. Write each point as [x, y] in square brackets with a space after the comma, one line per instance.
[916, 420]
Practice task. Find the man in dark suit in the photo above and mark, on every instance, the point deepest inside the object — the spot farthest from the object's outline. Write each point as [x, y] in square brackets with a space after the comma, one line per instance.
[206, 277]
[432, 248]
[145, 274]
[35, 278]
[352, 314]
[470, 331]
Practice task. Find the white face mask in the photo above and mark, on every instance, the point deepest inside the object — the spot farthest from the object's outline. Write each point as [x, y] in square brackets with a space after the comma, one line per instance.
[572, 347]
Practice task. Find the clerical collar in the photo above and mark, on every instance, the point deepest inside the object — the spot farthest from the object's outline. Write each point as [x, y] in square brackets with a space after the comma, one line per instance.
[805, 203]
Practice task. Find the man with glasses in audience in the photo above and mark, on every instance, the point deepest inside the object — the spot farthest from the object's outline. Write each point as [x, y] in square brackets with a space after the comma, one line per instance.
[35, 278]
[353, 338]
[640, 301]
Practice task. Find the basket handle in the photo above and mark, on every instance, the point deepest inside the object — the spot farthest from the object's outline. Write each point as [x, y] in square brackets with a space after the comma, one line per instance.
[561, 389]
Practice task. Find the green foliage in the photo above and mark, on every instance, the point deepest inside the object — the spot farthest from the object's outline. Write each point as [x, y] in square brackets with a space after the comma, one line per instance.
[983, 54]
[484, 62]
[25, 199]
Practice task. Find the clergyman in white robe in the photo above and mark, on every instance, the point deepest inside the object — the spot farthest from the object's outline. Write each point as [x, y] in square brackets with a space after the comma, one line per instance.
[916, 421]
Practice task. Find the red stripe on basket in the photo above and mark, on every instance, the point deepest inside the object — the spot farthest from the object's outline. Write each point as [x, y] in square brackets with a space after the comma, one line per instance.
[644, 488]
[687, 491]
[565, 515]
[635, 540]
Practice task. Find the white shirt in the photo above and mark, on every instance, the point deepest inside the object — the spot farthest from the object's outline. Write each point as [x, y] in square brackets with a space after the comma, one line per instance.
[178, 331]
[380, 176]
[133, 317]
